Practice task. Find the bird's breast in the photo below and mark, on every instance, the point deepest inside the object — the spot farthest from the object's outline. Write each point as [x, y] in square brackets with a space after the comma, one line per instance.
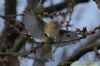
[51, 33]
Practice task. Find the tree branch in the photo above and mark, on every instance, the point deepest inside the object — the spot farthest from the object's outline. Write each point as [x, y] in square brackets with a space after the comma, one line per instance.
[88, 46]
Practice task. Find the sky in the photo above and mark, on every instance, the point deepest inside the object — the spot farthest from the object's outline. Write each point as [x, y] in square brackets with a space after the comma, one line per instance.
[1, 13]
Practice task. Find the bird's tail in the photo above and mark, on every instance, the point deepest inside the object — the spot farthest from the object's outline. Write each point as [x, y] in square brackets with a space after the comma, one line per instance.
[39, 63]
[43, 54]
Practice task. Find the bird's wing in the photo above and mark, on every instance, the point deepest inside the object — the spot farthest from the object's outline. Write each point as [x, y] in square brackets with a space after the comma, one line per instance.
[44, 53]
[66, 38]
[32, 22]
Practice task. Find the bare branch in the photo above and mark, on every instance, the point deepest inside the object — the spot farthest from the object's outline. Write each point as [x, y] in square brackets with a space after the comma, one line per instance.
[88, 46]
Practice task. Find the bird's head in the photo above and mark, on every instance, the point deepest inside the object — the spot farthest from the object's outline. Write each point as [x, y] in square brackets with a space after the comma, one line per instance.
[52, 25]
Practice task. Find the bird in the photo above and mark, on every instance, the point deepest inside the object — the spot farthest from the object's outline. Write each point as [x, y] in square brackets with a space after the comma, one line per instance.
[49, 33]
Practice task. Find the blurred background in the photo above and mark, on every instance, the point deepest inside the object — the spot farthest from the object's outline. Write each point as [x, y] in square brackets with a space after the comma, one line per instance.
[85, 13]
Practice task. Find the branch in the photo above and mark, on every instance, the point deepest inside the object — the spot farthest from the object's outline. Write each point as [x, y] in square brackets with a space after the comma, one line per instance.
[84, 50]
[9, 18]
[19, 42]
[9, 53]
[88, 46]
[79, 53]
[84, 34]
[24, 53]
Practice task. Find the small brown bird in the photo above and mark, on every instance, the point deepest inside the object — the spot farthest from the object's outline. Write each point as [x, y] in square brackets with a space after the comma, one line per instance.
[33, 26]
[52, 30]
